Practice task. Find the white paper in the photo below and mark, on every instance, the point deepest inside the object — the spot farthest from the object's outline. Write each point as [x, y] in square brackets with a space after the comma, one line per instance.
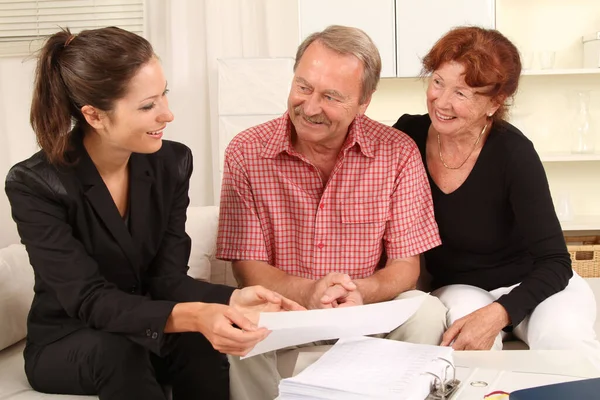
[369, 368]
[298, 327]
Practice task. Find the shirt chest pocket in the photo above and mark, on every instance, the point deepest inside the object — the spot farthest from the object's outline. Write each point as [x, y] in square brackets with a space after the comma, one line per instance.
[367, 211]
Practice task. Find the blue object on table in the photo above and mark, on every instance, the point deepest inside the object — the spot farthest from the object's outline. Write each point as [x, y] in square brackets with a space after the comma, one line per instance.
[577, 390]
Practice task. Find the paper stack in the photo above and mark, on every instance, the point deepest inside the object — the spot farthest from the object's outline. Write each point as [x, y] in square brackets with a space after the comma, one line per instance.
[370, 368]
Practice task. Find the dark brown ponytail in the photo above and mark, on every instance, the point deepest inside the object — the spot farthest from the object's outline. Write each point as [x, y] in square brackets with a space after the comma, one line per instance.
[51, 110]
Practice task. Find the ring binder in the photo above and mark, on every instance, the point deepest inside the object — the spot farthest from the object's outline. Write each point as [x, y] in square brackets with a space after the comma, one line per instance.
[372, 368]
[443, 388]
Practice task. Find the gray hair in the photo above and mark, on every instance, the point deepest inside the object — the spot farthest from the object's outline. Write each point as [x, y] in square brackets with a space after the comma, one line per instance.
[347, 40]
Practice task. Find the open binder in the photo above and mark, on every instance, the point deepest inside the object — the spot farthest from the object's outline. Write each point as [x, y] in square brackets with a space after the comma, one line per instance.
[378, 369]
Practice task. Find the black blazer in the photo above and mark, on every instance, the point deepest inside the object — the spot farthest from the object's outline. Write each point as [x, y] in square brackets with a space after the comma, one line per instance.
[91, 270]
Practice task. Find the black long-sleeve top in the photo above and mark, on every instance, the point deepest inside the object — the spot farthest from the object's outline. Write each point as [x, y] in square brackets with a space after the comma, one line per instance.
[499, 227]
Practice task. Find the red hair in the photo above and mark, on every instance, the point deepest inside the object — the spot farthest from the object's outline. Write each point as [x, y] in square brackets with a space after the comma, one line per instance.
[489, 59]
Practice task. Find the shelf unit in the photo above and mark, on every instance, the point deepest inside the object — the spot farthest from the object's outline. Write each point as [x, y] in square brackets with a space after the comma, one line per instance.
[545, 104]
[581, 223]
[568, 157]
[565, 71]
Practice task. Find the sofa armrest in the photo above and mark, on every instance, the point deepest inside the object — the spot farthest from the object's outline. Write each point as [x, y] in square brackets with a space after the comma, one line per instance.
[16, 294]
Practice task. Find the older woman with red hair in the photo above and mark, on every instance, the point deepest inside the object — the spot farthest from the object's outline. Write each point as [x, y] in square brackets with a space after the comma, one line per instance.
[503, 265]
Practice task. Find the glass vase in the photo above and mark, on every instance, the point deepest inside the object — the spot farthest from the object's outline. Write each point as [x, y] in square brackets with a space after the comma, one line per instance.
[583, 139]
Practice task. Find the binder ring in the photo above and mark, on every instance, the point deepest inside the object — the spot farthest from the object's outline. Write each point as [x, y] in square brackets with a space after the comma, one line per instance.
[442, 388]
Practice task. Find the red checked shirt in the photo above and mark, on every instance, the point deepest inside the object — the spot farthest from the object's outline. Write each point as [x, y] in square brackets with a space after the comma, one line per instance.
[275, 207]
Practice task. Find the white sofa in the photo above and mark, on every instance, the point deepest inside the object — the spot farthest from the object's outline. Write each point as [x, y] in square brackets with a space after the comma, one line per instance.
[16, 283]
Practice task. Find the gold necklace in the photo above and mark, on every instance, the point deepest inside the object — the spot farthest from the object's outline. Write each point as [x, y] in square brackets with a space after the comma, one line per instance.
[471, 152]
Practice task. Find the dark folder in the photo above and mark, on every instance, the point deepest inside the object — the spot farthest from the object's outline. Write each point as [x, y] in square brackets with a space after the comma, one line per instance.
[576, 390]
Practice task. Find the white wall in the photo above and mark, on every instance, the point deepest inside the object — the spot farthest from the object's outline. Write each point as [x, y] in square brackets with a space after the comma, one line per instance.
[201, 32]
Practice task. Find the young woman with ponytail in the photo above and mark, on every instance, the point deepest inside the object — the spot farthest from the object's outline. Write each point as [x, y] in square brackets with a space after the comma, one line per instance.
[101, 210]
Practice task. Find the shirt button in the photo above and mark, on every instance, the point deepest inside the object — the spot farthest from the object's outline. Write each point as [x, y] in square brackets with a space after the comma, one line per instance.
[320, 245]
[133, 289]
[148, 332]
[154, 335]
[322, 206]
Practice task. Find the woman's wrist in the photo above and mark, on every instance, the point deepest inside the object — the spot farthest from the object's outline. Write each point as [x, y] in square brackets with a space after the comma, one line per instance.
[184, 317]
[501, 314]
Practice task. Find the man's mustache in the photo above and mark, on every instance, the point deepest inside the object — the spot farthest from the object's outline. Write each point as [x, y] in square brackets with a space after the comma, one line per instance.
[315, 119]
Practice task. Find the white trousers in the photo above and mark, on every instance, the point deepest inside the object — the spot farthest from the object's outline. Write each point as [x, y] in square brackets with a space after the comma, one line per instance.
[257, 378]
[564, 321]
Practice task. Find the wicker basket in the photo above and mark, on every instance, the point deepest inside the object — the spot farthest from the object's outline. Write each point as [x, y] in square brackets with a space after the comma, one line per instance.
[585, 255]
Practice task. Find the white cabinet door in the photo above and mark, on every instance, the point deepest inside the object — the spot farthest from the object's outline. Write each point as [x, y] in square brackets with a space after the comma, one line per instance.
[419, 24]
[375, 17]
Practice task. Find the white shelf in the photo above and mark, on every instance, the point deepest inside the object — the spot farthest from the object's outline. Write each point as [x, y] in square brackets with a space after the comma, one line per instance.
[570, 71]
[569, 157]
[582, 223]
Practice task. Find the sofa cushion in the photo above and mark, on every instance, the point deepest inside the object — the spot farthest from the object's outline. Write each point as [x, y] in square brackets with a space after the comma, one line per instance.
[16, 293]
[202, 227]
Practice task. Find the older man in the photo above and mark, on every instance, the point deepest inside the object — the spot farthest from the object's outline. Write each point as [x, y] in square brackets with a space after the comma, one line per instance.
[325, 205]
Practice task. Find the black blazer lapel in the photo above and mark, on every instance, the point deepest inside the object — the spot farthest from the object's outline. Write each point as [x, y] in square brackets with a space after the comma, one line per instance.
[99, 197]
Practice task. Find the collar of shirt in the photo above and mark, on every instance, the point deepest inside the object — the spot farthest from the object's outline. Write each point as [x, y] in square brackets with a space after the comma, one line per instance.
[280, 140]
